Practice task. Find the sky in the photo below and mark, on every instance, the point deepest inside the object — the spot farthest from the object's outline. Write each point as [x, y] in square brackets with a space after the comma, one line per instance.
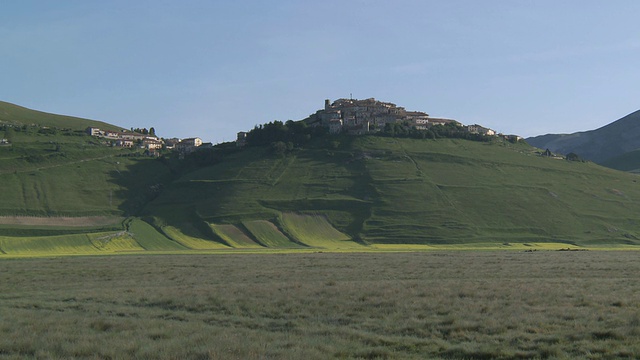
[213, 68]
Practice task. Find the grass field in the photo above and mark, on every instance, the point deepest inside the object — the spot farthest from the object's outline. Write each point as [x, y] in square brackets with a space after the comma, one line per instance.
[435, 305]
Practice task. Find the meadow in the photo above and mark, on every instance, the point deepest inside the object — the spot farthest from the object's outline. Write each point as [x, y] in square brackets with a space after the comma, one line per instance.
[415, 305]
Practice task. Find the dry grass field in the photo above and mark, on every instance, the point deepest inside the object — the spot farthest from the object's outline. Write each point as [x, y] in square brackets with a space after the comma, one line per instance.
[452, 305]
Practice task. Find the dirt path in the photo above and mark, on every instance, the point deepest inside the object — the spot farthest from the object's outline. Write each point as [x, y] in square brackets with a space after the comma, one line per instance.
[15, 171]
[80, 221]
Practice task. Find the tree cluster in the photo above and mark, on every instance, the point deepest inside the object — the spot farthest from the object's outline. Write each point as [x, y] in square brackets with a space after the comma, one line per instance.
[446, 131]
[144, 131]
[281, 135]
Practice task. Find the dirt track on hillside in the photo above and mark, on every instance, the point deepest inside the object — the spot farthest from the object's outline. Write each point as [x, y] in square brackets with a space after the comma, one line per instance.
[60, 221]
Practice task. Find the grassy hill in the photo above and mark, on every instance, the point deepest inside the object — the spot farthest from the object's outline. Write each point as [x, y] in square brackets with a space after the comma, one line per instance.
[58, 181]
[376, 190]
[12, 114]
[65, 192]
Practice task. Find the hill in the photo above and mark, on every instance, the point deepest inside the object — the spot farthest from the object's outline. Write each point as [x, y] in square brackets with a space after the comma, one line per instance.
[380, 190]
[65, 192]
[598, 145]
[11, 114]
[49, 167]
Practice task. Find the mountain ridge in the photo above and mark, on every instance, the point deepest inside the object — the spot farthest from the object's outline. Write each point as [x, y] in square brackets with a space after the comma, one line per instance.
[599, 145]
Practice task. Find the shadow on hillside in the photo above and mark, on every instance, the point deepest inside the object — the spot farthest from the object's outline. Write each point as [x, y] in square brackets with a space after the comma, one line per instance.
[140, 182]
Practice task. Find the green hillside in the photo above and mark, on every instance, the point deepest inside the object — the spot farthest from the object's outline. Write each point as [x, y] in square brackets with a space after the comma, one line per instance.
[65, 192]
[379, 190]
[17, 115]
[61, 188]
[67, 174]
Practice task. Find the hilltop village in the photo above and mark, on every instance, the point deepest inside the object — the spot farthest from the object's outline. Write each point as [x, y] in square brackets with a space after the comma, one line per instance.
[358, 117]
[343, 116]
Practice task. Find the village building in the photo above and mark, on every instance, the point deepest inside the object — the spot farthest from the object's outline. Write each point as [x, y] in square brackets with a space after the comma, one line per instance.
[188, 145]
[171, 143]
[193, 142]
[152, 143]
[124, 143]
[241, 138]
[94, 131]
[478, 129]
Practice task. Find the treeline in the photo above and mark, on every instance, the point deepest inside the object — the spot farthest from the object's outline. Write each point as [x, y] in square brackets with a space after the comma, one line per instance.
[144, 131]
[446, 131]
[284, 136]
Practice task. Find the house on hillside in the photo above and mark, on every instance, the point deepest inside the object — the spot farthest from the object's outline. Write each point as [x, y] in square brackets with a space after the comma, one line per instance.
[152, 143]
[124, 143]
[94, 131]
[478, 129]
[188, 145]
[194, 142]
[171, 143]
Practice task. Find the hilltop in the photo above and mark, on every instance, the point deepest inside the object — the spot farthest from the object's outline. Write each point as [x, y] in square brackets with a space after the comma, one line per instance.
[601, 145]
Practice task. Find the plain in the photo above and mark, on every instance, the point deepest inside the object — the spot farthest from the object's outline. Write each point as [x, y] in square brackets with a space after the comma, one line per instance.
[435, 304]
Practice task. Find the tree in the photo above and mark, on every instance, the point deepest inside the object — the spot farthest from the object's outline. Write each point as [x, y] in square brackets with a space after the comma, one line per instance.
[279, 147]
[573, 157]
[152, 131]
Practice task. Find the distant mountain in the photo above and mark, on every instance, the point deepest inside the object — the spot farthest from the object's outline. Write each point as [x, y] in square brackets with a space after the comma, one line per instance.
[12, 114]
[600, 145]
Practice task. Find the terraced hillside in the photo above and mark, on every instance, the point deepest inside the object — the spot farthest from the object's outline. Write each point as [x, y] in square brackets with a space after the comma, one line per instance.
[379, 190]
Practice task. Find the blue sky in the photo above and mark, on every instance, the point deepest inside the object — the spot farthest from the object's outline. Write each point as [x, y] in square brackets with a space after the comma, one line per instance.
[213, 68]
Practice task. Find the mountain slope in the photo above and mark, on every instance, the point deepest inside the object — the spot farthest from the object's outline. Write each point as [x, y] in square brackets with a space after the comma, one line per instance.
[383, 190]
[597, 145]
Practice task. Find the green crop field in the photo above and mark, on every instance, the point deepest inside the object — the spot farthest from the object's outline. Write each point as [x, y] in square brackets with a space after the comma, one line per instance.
[192, 242]
[233, 236]
[150, 239]
[269, 235]
[419, 305]
[316, 231]
[69, 244]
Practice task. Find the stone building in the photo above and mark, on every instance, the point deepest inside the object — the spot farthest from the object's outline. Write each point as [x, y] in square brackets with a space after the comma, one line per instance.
[355, 116]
